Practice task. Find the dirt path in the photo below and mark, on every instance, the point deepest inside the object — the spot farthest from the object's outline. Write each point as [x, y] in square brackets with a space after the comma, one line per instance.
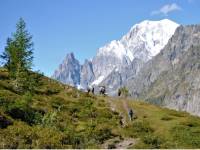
[124, 113]
[125, 144]
[114, 108]
[117, 143]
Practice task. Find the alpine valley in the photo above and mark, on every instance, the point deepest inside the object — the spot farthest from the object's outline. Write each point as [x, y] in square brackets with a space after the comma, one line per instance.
[158, 61]
[139, 90]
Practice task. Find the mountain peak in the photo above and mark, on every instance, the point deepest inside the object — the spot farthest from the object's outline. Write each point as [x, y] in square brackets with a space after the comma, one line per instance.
[152, 35]
[70, 56]
[156, 21]
[149, 35]
[68, 70]
[146, 23]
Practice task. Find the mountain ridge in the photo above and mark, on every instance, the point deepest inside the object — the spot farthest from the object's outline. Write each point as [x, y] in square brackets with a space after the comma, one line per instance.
[171, 78]
[119, 54]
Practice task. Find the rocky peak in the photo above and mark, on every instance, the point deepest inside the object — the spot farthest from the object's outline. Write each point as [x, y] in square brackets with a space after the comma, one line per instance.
[68, 71]
[70, 57]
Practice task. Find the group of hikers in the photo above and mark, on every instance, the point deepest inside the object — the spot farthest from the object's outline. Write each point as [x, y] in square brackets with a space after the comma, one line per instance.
[102, 90]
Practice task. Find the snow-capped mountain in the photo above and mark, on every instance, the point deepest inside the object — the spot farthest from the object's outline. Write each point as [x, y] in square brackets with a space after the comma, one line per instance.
[118, 58]
[151, 35]
[172, 78]
[143, 41]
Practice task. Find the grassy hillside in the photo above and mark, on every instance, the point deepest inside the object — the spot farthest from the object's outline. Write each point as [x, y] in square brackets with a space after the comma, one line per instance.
[59, 116]
[157, 127]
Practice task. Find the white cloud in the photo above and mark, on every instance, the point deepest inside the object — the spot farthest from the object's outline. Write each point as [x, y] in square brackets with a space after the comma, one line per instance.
[166, 9]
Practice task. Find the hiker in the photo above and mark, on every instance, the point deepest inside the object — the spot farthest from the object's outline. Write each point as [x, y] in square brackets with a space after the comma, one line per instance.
[102, 90]
[121, 121]
[92, 90]
[119, 92]
[130, 113]
[88, 90]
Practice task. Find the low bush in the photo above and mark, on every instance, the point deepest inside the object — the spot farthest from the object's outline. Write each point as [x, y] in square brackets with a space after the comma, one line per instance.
[57, 102]
[152, 141]
[21, 109]
[29, 137]
[49, 119]
[142, 127]
[101, 134]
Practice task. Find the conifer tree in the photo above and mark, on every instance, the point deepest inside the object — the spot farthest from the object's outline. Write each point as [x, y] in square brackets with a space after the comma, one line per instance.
[18, 56]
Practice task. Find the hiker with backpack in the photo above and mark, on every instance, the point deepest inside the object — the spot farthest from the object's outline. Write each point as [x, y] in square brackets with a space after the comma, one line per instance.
[93, 90]
[130, 113]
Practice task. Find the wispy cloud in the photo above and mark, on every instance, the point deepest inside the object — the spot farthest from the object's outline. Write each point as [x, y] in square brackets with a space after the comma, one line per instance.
[166, 9]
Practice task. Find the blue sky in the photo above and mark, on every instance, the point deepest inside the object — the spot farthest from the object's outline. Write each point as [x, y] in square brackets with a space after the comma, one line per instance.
[82, 26]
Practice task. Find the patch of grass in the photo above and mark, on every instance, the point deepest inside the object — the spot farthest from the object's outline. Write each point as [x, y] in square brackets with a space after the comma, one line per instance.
[166, 118]
[185, 136]
[153, 141]
[176, 113]
[141, 127]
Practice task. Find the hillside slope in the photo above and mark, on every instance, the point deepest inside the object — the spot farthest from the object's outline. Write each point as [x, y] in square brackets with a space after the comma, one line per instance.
[59, 116]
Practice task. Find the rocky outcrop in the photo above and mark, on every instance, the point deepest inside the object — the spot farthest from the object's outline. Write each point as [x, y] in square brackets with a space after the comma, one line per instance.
[117, 78]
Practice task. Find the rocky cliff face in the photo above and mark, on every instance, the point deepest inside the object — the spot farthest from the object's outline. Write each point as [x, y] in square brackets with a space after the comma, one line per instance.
[172, 78]
[117, 78]
[68, 71]
[87, 74]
